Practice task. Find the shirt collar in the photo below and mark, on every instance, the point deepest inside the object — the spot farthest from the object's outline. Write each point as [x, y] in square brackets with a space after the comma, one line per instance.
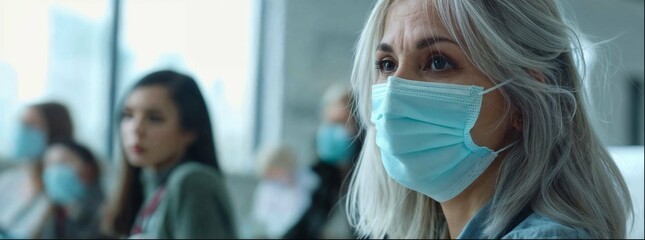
[152, 179]
[474, 229]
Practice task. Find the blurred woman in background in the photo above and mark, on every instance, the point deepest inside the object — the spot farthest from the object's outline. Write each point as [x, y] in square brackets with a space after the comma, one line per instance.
[170, 184]
[23, 205]
[72, 182]
[337, 146]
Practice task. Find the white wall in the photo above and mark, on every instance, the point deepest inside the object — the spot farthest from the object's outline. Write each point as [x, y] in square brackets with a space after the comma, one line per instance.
[629, 160]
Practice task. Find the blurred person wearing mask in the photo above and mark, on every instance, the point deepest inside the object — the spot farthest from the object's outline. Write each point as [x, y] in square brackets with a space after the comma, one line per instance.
[337, 146]
[72, 183]
[283, 193]
[23, 204]
[170, 185]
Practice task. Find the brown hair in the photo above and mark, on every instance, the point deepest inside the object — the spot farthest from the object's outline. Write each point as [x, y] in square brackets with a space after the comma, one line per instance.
[59, 128]
[123, 206]
[58, 121]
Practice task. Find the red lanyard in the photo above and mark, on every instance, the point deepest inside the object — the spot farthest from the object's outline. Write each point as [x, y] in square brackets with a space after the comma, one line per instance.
[144, 215]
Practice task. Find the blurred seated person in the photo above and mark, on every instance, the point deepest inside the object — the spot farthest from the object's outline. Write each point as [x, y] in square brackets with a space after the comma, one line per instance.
[337, 146]
[283, 193]
[170, 184]
[23, 204]
[72, 182]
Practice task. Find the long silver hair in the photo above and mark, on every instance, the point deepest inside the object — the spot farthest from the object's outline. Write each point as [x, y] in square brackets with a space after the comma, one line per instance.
[559, 167]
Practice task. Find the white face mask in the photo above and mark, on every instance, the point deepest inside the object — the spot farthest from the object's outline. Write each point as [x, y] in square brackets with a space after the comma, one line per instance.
[423, 132]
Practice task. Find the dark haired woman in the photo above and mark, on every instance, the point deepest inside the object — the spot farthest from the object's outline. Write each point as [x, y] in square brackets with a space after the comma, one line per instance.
[170, 185]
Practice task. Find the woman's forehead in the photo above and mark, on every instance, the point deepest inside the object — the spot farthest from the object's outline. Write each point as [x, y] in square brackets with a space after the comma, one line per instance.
[58, 153]
[411, 20]
[150, 97]
[32, 116]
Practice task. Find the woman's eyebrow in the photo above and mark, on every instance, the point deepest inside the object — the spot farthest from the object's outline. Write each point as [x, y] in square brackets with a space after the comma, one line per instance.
[426, 42]
[384, 47]
[154, 111]
[423, 43]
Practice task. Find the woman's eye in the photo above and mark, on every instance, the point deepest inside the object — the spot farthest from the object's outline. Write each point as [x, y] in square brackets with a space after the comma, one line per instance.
[386, 65]
[156, 119]
[439, 64]
[126, 115]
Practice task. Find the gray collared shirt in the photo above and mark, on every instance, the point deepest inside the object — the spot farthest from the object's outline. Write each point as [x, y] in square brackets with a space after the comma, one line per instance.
[533, 226]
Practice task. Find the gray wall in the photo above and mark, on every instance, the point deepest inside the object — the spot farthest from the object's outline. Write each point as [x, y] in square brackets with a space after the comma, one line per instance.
[317, 46]
[621, 22]
[320, 40]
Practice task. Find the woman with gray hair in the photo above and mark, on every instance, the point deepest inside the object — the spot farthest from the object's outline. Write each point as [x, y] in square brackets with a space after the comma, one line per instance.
[476, 126]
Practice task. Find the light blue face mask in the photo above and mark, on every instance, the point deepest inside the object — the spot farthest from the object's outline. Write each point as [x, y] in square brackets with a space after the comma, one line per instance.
[30, 143]
[334, 143]
[62, 184]
[423, 132]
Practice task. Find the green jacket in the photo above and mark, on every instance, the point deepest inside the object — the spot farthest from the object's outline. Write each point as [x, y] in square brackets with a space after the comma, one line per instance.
[195, 205]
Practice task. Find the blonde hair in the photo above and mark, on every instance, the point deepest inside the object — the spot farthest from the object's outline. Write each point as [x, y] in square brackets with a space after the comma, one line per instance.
[559, 167]
[278, 156]
[336, 93]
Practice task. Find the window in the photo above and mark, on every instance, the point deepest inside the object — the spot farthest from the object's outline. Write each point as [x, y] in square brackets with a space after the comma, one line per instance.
[60, 51]
[55, 51]
[209, 40]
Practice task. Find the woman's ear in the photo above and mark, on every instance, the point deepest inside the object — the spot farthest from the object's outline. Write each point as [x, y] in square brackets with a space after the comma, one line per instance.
[517, 119]
[517, 122]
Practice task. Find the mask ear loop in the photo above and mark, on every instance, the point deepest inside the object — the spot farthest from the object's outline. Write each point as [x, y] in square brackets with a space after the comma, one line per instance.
[490, 90]
[507, 147]
[495, 87]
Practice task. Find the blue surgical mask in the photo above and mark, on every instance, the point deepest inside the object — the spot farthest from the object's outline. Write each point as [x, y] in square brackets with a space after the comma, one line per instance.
[62, 184]
[423, 133]
[29, 142]
[334, 143]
